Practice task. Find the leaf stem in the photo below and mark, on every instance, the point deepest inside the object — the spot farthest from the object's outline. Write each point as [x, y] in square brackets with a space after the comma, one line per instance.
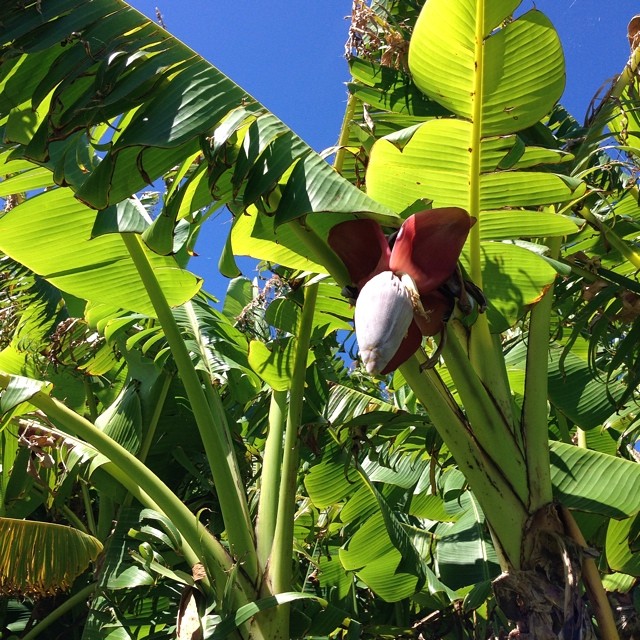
[592, 582]
[500, 502]
[281, 556]
[535, 419]
[214, 432]
[270, 478]
[321, 252]
[490, 427]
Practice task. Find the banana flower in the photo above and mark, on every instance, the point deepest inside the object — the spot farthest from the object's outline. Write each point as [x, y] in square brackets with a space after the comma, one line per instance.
[398, 282]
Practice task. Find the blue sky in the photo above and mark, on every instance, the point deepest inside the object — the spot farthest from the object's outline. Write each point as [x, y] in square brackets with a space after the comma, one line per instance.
[288, 54]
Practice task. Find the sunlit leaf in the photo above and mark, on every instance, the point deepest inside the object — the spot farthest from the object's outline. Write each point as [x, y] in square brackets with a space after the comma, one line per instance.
[51, 234]
[512, 90]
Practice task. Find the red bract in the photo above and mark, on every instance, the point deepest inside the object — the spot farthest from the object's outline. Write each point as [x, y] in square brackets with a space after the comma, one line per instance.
[398, 301]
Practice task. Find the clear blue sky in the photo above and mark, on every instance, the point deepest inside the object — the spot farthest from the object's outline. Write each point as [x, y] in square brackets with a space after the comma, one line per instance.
[289, 55]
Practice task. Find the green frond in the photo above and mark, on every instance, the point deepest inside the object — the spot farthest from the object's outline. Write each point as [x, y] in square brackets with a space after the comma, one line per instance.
[41, 558]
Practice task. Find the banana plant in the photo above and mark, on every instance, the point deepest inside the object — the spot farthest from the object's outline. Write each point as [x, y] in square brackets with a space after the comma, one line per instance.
[473, 61]
[97, 103]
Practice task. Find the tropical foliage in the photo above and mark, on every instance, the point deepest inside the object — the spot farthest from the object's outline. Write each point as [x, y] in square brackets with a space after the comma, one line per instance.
[176, 466]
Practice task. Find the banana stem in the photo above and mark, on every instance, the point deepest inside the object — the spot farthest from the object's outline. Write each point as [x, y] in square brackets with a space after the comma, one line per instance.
[270, 479]
[281, 556]
[500, 502]
[535, 420]
[208, 415]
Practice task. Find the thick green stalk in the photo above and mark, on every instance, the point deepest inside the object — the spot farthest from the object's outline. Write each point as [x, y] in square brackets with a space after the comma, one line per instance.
[592, 581]
[214, 433]
[281, 556]
[220, 417]
[501, 504]
[488, 362]
[270, 477]
[535, 419]
[490, 427]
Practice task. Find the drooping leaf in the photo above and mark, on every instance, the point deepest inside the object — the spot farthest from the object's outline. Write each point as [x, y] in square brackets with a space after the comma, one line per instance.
[63, 553]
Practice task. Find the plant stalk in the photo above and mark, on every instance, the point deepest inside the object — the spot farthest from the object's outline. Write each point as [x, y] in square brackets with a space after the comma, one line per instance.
[592, 582]
[281, 556]
[498, 499]
[490, 427]
[214, 433]
[270, 478]
[321, 253]
[535, 414]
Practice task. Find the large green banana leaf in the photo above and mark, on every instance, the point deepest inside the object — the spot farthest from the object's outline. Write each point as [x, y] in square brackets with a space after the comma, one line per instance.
[109, 102]
[497, 77]
[51, 234]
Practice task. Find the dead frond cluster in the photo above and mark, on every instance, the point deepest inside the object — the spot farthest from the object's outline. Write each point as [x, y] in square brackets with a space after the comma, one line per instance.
[373, 37]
